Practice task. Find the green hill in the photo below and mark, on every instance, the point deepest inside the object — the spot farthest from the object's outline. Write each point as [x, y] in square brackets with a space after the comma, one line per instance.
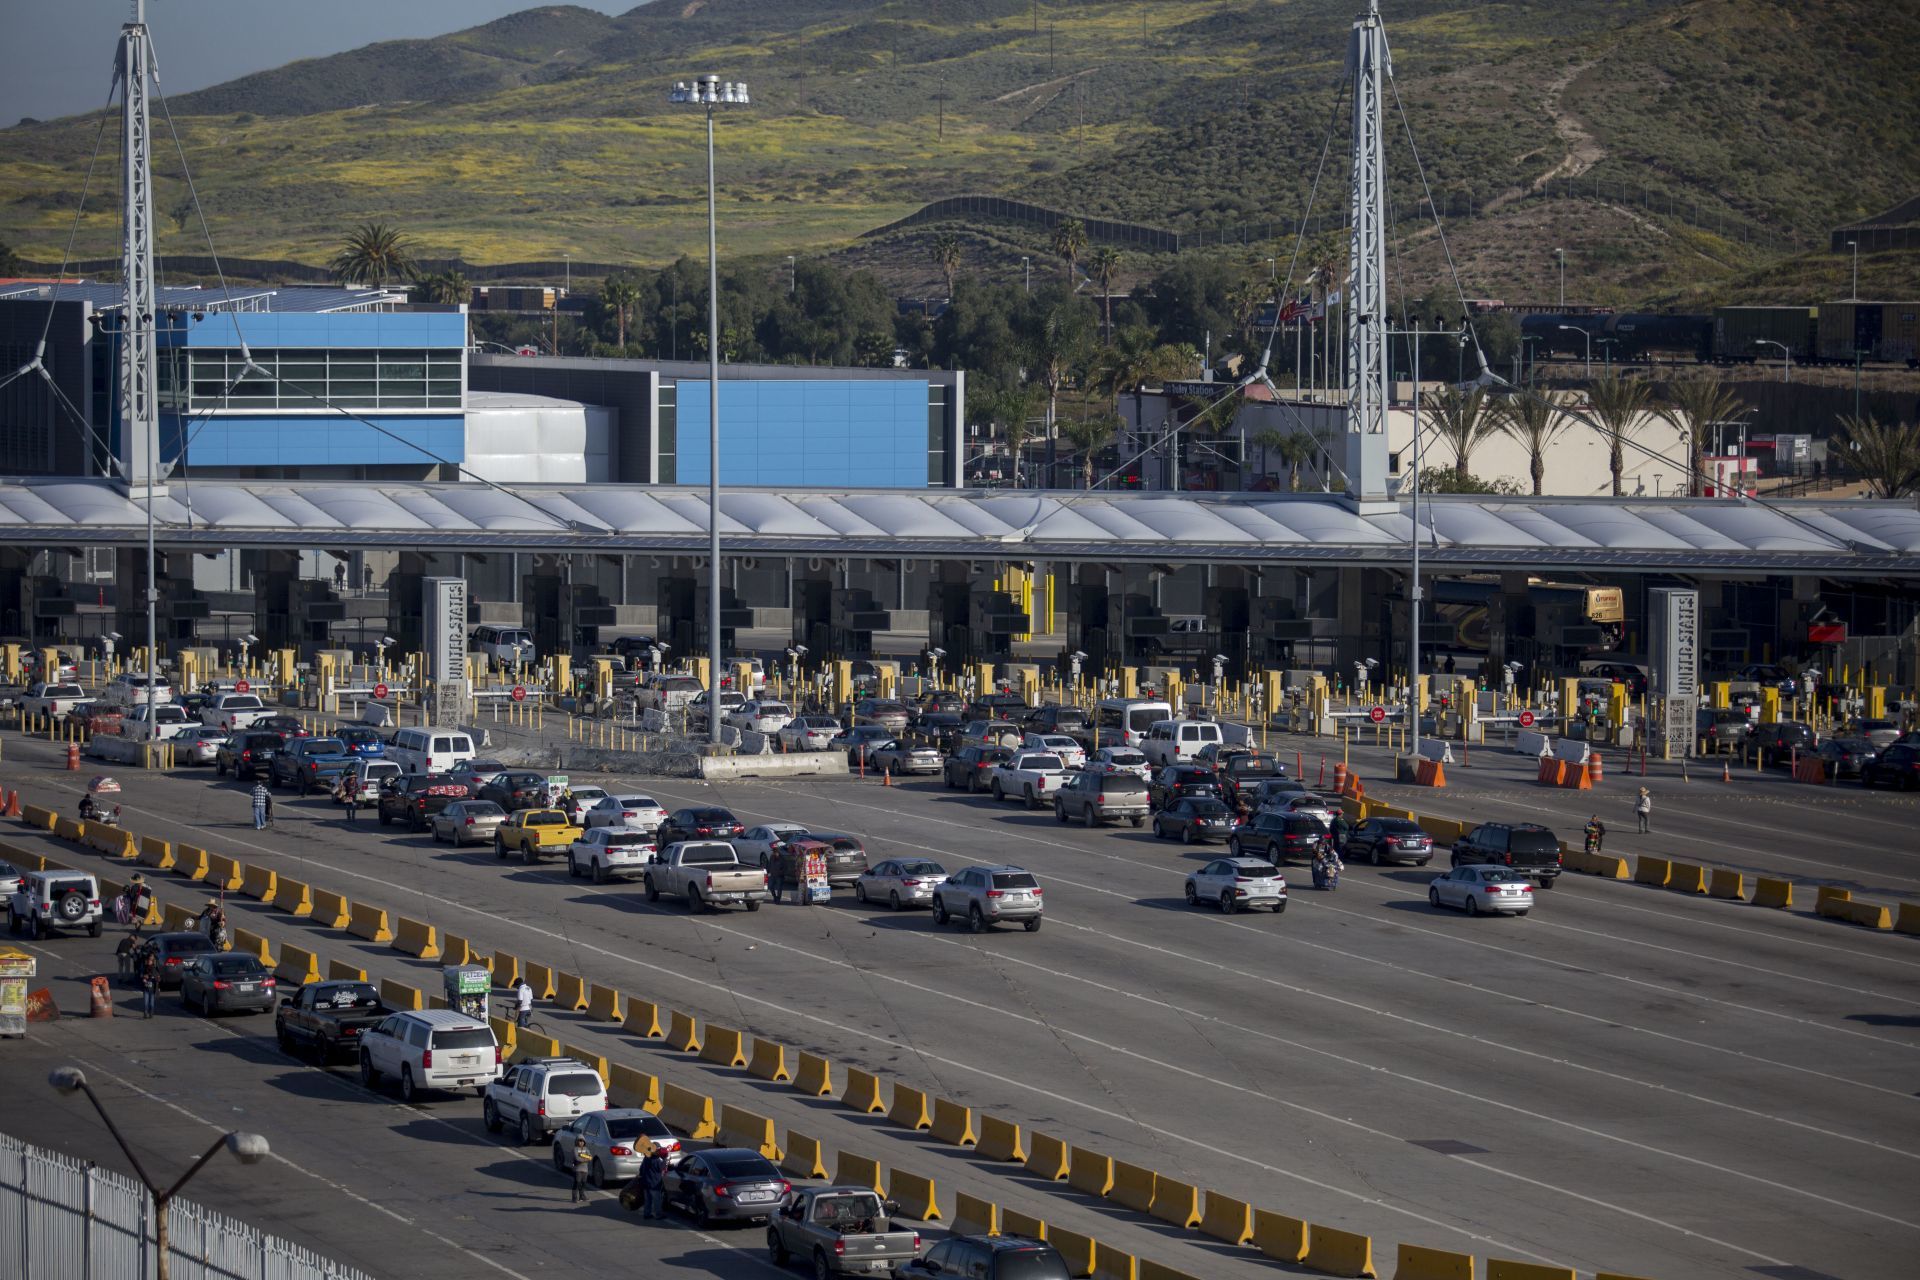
[548, 132]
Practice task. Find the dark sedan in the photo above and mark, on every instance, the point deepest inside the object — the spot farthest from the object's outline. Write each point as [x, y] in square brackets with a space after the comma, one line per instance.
[1193, 819]
[727, 1183]
[1179, 780]
[285, 726]
[846, 858]
[698, 824]
[248, 755]
[970, 766]
[1383, 840]
[1897, 766]
[226, 982]
[1846, 757]
[173, 951]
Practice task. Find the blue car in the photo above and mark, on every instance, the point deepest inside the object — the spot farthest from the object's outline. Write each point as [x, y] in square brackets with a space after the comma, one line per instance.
[362, 741]
[311, 764]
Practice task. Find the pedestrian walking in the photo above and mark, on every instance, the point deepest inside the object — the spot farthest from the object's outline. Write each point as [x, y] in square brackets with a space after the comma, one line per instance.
[351, 786]
[262, 806]
[523, 1001]
[582, 1165]
[127, 954]
[1643, 810]
[149, 982]
[1596, 833]
[653, 1185]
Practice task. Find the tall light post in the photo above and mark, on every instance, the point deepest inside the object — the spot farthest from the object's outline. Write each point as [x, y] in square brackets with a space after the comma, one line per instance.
[1786, 371]
[1412, 486]
[1854, 294]
[1026, 272]
[1568, 328]
[1561, 254]
[709, 91]
[793, 278]
[1606, 350]
[247, 1148]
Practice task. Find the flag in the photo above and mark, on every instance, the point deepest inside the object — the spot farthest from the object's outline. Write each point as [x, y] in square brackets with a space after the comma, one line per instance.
[1293, 311]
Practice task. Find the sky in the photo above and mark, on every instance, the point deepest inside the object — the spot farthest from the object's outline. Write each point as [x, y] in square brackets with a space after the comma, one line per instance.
[60, 54]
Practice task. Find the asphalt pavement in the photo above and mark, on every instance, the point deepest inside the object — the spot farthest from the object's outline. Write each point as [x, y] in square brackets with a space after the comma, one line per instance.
[1627, 1080]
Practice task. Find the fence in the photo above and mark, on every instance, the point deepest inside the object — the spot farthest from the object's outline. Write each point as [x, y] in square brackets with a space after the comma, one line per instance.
[63, 1217]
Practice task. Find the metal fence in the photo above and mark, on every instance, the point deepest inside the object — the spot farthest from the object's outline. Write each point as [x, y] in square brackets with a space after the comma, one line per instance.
[63, 1217]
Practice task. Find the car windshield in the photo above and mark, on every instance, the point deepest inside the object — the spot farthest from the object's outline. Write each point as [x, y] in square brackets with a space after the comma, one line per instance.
[226, 966]
[359, 995]
[465, 1038]
[774, 709]
[575, 1084]
[1207, 808]
[922, 869]
[1305, 824]
[743, 1166]
[629, 1127]
[1252, 767]
[1535, 841]
[1124, 783]
[1037, 1264]
[264, 741]
[1014, 880]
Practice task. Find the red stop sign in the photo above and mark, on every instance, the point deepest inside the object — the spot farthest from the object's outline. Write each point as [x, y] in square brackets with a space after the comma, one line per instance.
[379, 691]
[241, 686]
[1378, 715]
[519, 693]
[1526, 719]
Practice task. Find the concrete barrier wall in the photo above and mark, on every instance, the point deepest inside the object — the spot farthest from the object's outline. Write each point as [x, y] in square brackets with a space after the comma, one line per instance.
[259, 883]
[768, 1060]
[540, 978]
[225, 873]
[1504, 1269]
[1000, 1140]
[1653, 871]
[643, 1019]
[603, 1003]
[331, 909]
[157, 854]
[1771, 892]
[1089, 1171]
[294, 897]
[250, 943]
[190, 861]
[1338, 1253]
[855, 1170]
[952, 1123]
[369, 922]
[1047, 1156]
[598, 1061]
[723, 1046]
[630, 1087]
[973, 1216]
[1685, 877]
[909, 1109]
[863, 1091]
[1279, 1237]
[1079, 1251]
[1175, 1202]
[1417, 1263]
[1015, 1223]
[803, 1158]
[569, 992]
[297, 965]
[416, 938]
[742, 1128]
[398, 995]
[682, 1032]
[507, 969]
[1131, 1185]
[917, 1197]
[689, 1112]
[1229, 1220]
[815, 1075]
[341, 971]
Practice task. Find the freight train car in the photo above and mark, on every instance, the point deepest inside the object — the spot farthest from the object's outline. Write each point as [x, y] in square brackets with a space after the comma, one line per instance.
[1630, 338]
[1880, 331]
[1743, 335]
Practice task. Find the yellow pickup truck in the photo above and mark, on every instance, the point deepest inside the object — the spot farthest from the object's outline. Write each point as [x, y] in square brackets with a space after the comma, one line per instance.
[533, 833]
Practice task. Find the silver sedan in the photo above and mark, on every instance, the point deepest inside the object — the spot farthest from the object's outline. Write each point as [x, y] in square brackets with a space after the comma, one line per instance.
[468, 822]
[618, 1140]
[1238, 884]
[1483, 889]
[756, 845]
[199, 745]
[900, 883]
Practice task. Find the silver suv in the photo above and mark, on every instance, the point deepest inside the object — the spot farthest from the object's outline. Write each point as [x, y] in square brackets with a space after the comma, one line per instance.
[539, 1095]
[988, 895]
[47, 900]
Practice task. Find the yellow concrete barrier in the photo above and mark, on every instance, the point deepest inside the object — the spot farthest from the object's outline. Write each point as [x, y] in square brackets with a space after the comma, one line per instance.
[1616, 1275]
[331, 909]
[455, 949]
[1831, 893]
[1130, 1185]
[631, 1087]
[952, 1123]
[225, 873]
[398, 995]
[1873, 915]
[416, 938]
[909, 1109]
[1684, 877]
[531, 1044]
[1504, 1269]
[1608, 867]
[1653, 871]
[540, 978]
[689, 1112]
[293, 897]
[507, 969]
[854, 1170]
[742, 1128]
[157, 854]
[802, 1159]
[1175, 1202]
[915, 1194]
[1151, 1270]
[1048, 1157]
[1279, 1237]
[722, 1046]
[603, 1003]
[1727, 884]
[341, 971]
[1110, 1263]
[973, 1216]
[369, 922]
[113, 842]
[247, 942]
[569, 992]
[177, 919]
[1089, 1171]
[1025, 1225]
[259, 883]
[682, 1032]
[70, 830]
[1338, 1253]
[1227, 1219]
[297, 965]
[190, 862]
[1000, 1140]
[863, 1091]
[34, 816]
[1417, 1263]
[1078, 1250]
[768, 1060]
[598, 1061]
[1908, 921]
[643, 1019]
[507, 1035]
[1769, 892]
[815, 1076]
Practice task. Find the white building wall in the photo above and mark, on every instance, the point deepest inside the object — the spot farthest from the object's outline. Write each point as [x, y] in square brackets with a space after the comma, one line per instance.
[526, 439]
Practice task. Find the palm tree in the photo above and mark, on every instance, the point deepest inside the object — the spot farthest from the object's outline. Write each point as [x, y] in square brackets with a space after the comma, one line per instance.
[1070, 241]
[1105, 264]
[1534, 421]
[1618, 409]
[1135, 359]
[445, 288]
[1886, 455]
[1696, 407]
[1013, 409]
[1460, 418]
[1087, 436]
[622, 293]
[945, 252]
[373, 254]
[1059, 347]
[1296, 449]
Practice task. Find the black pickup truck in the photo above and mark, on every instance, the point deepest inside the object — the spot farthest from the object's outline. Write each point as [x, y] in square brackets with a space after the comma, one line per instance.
[326, 1019]
[1527, 847]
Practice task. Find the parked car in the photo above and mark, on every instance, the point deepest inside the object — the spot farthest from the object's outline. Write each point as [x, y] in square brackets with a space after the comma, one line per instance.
[1194, 819]
[468, 822]
[605, 852]
[199, 745]
[1383, 840]
[1095, 798]
[987, 1258]
[226, 982]
[535, 1096]
[809, 733]
[972, 767]
[327, 1019]
[1897, 766]
[1278, 837]
[699, 822]
[1846, 757]
[1525, 847]
[840, 1231]
[248, 755]
[170, 952]
[900, 758]
[47, 900]
[727, 1184]
[631, 810]
[1177, 780]
[617, 1139]
[430, 1049]
[1238, 884]
[900, 882]
[985, 895]
[1477, 888]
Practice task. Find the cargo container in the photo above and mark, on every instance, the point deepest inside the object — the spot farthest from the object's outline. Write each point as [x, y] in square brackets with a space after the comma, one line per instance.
[1881, 331]
[502, 297]
[1742, 335]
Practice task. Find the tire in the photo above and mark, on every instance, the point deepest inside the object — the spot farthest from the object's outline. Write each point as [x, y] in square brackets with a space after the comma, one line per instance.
[71, 907]
[751, 905]
[999, 796]
[528, 854]
[1373, 854]
[368, 1076]
[1228, 903]
[219, 767]
[385, 821]
[775, 1249]
[973, 785]
[1032, 801]
[1433, 898]
[1473, 905]
[526, 1132]
[893, 900]
[490, 1116]
[822, 1269]
[940, 916]
[1159, 832]
[860, 893]
[1060, 813]
[976, 922]
[1280, 906]
[1186, 834]
[1193, 898]
[653, 892]
[499, 846]
[573, 868]
[598, 1175]
[1087, 819]
[1033, 925]
[1233, 847]
[599, 873]
[1137, 823]
[408, 1090]
[283, 1040]
[694, 902]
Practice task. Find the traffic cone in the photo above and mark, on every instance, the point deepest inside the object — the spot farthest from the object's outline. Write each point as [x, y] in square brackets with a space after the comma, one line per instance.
[1595, 767]
[12, 809]
[886, 777]
[1726, 772]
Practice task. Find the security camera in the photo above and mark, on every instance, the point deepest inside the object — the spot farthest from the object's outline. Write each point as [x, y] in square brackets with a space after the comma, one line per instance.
[1078, 656]
[388, 640]
[249, 638]
[1373, 662]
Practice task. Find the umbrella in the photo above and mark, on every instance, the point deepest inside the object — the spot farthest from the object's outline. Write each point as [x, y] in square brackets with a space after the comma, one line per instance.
[102, 785]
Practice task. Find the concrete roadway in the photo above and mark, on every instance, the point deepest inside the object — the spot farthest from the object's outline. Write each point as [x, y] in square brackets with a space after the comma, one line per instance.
[1627, 1080]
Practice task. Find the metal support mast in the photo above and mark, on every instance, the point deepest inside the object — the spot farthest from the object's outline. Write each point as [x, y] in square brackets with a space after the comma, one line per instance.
[1365, 298]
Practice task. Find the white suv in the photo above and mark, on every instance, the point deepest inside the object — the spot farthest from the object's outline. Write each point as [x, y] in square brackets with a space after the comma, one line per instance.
[604, 851]
[130, 690]
[430, 1049]
[49, 900]
[504, 646]
[539, 1095]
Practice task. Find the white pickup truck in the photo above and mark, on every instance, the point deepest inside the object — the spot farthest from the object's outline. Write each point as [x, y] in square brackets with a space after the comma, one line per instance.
[235, 711]
[56, 700]
[1033, 776]
[708, 875]
[169, 720]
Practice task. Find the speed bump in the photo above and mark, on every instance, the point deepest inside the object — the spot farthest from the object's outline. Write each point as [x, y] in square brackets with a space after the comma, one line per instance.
[1417, 1263]
[952, 1123]
[1175, 1202]
[643, 1019]
[854, 1170]
[815, 1076]
[1089, 1171]
[1048, 1158]
[1229, 1220]
[1015, 1223]
[1340, 1253]
[915, 1195]
[722, 1046]
[1279, 1237]
[909, 1109]
[802, 1158]
[631, 1087]
[863, 1091]
[768, 1060]
[682, 1034]
[1129, 1184]
[1505, 1269]
[972, 1216]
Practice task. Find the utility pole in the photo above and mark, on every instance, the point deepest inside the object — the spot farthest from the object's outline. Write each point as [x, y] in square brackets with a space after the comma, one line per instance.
[940, 99]
[1364, 301]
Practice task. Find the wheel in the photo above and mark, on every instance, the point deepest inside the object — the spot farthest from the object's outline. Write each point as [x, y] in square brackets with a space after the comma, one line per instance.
[386, 821]
[1186, 834]
[529, 854]
[283, 1040]
[1159, 832]
[1373, 854]
[1087, 819]
[1473, 905]
[408, 1091]
[694, 901]
[1138, 822]
[573, 868]
[939, 911]
[775, 1248]
[653, 893]
[860, 893]
[598, 1176]
[822, 1269]
[490, 1116]
[751, 905]
[437, 837]
[1546, 882]
[93, 930]
[1033, 925]
[999, 796]
[599, 873]
[71, 907]
[367, 1074]
[499, 845]
[1059, 813]
[973, 785]
[1193, 897]
[697, 1206]
[893, 900]
[976, 922]
[1032, 801]
[1228, 903]
[220, 767]
[1233, 846]
[1280, 906]
[526, 1131]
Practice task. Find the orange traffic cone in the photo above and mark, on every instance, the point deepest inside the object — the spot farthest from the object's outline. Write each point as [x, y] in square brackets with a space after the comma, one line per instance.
[1726, 772]
[1594, 767]
[886, 777]
[12, 809]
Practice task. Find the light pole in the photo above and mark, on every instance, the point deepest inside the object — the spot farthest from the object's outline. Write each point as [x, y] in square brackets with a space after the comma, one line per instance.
[247, 1148]
[1568, 328]
[1561, 254]
[1606, 350]
[709, 91]
[1026, 271]
[1855, 293]
[1413, 538]
[793, 278]
[1786, 371]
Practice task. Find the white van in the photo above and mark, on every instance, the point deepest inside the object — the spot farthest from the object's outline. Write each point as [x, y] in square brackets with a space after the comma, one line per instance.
[1178, 741]
[504, 646]
[1124, 722]
[431, 750]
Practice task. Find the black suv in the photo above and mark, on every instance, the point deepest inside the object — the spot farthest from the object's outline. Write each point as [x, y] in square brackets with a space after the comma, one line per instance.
[970, 767]
[1071, 721]
[1778, 743]
[1897, 766]
[702, 823]
[990, 1258]
[248, 755]
[1246, 770]
[1177, 780]
[416, 797]
[516, 789]
[1279, 837]
[1525, 846]
[1721, 728]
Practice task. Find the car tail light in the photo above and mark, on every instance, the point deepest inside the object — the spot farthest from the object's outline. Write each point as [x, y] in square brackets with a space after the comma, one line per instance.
[911, 884]
[620, 1151]
[709, 880]
[1558, 858]
[839, 1245]
[724, 1190]
[996, 893]
[1526, 888]
[426, 1059]
[173, 959]
[220, 984]
[469, 822]
[267, 982]
[1243, 879]
[786, 1188]
[543, 1106]
[1037, 891]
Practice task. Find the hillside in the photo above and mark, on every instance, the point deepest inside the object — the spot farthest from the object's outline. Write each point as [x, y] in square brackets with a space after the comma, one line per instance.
[548, 132]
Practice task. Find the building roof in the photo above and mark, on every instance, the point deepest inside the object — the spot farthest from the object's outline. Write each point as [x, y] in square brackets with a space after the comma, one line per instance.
[109, 297]
[1858, 538]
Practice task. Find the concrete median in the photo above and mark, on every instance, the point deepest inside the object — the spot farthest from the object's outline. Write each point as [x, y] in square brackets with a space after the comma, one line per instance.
[369, 922]
[723, 1046]
[259, 883]
[1685, 877]
[1908, 921]
[643, 1019]
[38, 818]
[855, 1170]
[689, 1112]
[1151, 1270]
[631, 1087]
[603, 1003]
[1229, 1220]
[177, 919]
[1653, 871]
[1871, 915]
[1730, 885]
[157, 854]
[569, 992]
[295, 897]
[1089, 1171]
[1417, 1263]
[398, 995]
[540, 978]
[1110, 1263]
[1048, 1157]
[598, 1061]
[531, 1044]
[742, 1128]
[1769, 892]
[952, 1123]
[803, 1157]
[768, 1060]
[862, 1092]
[247, 942]
[1333, 1252]
[973, 1216]
[507, 969]
[69, 829]
[331, 910]
[1175, 1202]
[1131, 1185]
[1000, 1140]
[1505, 1269]
[341, 971]
[815, 1076]
[1079, 1251]
[909, 1109]
[1616, 1275]
[190, 861]
[455, 949]
[1279, 1237]
[1015, 1223]
[416, 938]
[916, 1195]
[507, 1036]
[224, 873]
[113, 842]
[297, 965]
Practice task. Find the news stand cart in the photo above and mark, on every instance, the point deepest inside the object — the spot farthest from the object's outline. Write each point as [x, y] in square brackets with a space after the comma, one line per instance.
[816, 887]
[16, 968]
[467, 988]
